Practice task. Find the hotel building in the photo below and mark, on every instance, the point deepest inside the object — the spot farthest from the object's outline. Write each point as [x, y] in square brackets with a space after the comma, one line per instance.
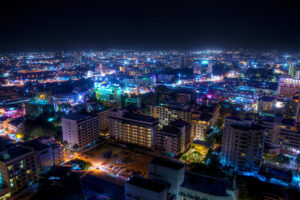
[243, 144]
[133, 128]
[81, 130]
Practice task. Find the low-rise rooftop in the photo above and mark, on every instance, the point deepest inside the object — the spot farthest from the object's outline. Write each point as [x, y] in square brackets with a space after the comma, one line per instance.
[206, 184]
[147, 184]
[13, 152]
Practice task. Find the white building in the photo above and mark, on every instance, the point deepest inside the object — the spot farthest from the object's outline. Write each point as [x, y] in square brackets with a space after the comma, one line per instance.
[81, 130]
[243, 144]
[169, 172]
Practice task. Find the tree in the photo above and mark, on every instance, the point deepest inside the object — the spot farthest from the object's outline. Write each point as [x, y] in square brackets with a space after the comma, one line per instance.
[282, 159]
[75, 147]
[66, 144]
[82, 164]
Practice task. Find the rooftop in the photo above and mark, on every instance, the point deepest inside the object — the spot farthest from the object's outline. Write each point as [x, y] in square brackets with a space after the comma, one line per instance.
[179, 123]
[267, 98]
[59, 171]
[171, 129]
[13, 152]
[205, 117]
[140, 117]
[167, 163]
[206, 184]
[247, 128]
[36, 145]
[100, 185]
[147, 184]
[76, 116]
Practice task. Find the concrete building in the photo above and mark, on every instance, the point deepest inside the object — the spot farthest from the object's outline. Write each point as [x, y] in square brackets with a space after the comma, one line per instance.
[43, 153]
[288, 86]
[169, 172]
[282, 133]
[185, 96]
[200, 125]
[266, 105]
[103, 119]
[81, 130]
[57, 154]
[133, 128]
[199, 186]
[18, 169]
[174, 138]
[202, 120]
[145, 189]
[242, 144]
[170, 112]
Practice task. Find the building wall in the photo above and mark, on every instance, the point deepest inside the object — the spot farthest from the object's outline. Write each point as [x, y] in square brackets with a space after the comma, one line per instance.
[167, 175]
[242, 148]
[20, 172]
[133, 192]
[132, 131]
[188, 194]
[166, 115]
[83, 133]
[70, 131]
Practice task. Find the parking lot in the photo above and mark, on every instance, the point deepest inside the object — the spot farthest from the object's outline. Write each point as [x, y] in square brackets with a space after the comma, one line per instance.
[118, 161]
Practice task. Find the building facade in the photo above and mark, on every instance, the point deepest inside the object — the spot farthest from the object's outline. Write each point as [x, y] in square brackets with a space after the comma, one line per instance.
[167, 171]
[18, 168]
[145, 189]
[242, 144]
[80, 130]
[170, 112]
[133, 128]
[174, 138]
[288, 86]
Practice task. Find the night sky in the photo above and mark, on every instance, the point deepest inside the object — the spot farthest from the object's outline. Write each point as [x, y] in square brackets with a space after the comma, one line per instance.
[32, 25]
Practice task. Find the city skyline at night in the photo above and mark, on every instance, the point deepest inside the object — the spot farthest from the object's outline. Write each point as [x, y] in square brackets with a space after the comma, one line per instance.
[149, 100]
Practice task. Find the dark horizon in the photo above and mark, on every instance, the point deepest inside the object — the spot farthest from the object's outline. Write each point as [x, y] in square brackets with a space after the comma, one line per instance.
[34, 25]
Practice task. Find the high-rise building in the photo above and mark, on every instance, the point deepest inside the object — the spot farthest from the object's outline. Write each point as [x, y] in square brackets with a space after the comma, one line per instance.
[288, 87]
[18, 169]
[242, 144]
[282, 133]
[80, 130]
[77, 57]
[103, 117]
[170, 112]
[110, 96]
[202, 120]
[167, 171]
[174, 138]
[133, 128]
[200, 125]
[44, 154]
[146, 189]
[297, 108]
[291, 69]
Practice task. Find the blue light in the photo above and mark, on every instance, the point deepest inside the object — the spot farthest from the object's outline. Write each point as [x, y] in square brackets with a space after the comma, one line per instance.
[204, 62]
[50, 119]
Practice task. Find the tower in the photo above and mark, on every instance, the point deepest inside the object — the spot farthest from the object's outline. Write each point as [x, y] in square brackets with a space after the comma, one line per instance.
[291, 68]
